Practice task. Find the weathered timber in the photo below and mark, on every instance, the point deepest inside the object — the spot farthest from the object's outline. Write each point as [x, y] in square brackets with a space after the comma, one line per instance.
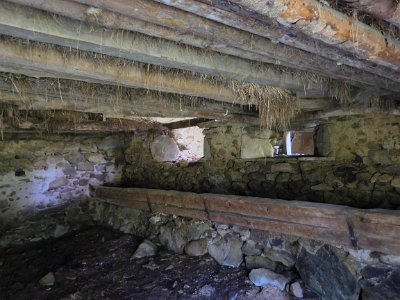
[45, 94]
[185, 123]
[37, 61]
[376, 230]
[326, 24]
[99, 17]
[315, 104]
[210, 30]
[33, 24]
[226, 12]
[110, 125]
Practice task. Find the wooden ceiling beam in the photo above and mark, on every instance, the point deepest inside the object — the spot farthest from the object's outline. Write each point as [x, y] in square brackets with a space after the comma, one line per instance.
[33, 24]
[225, 12]
[47, 94]
[37, 60]
[108, 19]
[61, 125]
[41, 61]
[322, 22]
[182, 21]
[315, 104]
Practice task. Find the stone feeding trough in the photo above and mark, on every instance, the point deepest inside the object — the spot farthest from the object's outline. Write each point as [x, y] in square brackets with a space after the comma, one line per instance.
[157, 149]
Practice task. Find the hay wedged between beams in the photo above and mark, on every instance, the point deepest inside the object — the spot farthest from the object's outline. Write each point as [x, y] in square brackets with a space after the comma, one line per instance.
[277, 107]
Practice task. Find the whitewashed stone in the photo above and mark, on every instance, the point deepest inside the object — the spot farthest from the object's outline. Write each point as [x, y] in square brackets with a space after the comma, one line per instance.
[296, 289]
[263, 277]
[145, 249]
[59, 182]
[227, 250]
[164, 148]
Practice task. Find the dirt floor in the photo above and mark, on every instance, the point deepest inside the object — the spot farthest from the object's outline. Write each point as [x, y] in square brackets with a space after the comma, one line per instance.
[94, 263]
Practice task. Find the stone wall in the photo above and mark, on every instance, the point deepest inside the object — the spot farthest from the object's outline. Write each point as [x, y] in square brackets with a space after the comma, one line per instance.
[373, 138]
[285, 261]
[43, 176]
[364, 171]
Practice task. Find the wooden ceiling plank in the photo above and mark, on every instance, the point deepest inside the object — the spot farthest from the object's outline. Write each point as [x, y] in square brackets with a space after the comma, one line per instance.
[94, 99]
[219, 12]
[41, 61]
[22, 22]
[324, 23]
[199, 26]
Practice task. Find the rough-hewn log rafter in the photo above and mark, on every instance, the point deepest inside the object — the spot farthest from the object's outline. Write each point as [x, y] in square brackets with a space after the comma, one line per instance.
[275, 33]
[114, 106]
[228, 36]
[22, 22]
[324, 23]
[108, 19]
[42, 61]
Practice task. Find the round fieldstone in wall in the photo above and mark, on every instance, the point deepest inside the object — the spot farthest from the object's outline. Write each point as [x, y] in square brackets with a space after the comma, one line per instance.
[164, 148]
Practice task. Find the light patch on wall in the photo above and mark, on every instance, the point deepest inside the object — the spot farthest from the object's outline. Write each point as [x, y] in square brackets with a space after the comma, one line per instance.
[190, 141]
[187, 144]
[299, 143]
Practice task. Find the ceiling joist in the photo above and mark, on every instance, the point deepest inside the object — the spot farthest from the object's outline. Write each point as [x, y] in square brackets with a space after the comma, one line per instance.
[32, 24]
[182, 21]
[332, 27]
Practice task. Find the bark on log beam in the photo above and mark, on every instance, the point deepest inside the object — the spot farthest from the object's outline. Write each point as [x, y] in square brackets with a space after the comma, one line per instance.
[33, 24]
[57, 125]
[141, 107]
[250, 24]
[41, 61]
[326, 24]
[45, 94]
[87, 14]
[376, 230]
[36, 61]
[185, 23]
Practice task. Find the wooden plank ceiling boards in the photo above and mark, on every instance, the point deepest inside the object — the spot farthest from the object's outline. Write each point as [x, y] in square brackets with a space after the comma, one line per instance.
[196, 48]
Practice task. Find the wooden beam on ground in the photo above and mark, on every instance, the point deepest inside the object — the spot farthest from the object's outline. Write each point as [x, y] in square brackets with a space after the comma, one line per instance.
[328, 25]
[376, 230]
[185, 22]
[26, 23]
[226, 12]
